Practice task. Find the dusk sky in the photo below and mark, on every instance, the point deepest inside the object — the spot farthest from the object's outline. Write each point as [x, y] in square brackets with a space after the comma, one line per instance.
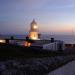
[52, 16]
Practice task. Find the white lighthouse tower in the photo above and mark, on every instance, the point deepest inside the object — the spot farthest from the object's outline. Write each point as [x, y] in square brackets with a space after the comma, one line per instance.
[33, 34]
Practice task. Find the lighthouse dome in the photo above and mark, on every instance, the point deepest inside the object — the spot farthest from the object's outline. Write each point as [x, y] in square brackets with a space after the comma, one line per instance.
[34, 26]
[33, 31]
[33, 22]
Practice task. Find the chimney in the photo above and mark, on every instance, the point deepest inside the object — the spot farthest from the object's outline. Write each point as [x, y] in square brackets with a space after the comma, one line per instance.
[52, 40]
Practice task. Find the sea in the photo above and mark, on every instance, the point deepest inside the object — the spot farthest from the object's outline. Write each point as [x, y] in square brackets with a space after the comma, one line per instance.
[68, 39]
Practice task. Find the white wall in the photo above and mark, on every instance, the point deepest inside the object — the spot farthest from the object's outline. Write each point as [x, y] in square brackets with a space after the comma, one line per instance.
[51, 46]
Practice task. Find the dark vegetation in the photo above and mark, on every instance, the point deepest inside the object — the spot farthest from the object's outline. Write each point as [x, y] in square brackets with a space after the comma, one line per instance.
[12, 51]
[8, 50]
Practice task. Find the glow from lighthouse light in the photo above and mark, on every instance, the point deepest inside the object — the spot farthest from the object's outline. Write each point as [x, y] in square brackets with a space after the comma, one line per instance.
[35, 27]
[33, 35]
[2, 41]
[34, 38]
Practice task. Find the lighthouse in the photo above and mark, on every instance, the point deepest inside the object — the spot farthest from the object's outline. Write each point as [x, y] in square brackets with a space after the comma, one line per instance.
[33, 33]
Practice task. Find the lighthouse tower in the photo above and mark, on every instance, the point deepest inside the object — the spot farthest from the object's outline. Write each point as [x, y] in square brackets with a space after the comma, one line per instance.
[33, 34]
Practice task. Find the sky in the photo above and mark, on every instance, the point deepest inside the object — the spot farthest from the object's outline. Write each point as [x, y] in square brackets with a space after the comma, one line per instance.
[52, 16]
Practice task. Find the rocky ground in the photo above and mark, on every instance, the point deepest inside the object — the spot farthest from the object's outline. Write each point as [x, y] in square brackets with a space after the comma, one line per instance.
[33, 66]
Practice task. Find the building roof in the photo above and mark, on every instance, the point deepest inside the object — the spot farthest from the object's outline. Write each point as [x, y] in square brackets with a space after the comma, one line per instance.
[33, 22]
[43, 42]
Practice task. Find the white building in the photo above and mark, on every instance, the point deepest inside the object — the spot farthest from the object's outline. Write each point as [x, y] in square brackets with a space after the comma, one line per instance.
[48, 45]
[58, 45]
